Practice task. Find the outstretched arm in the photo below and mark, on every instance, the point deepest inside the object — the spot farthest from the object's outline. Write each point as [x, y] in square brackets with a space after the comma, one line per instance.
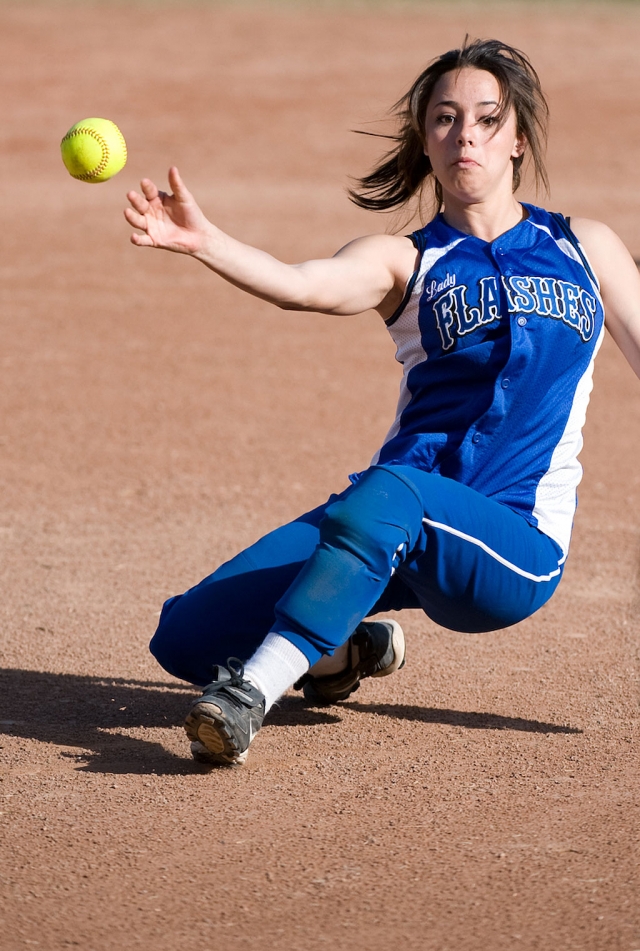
[370, 272]
[619, 284]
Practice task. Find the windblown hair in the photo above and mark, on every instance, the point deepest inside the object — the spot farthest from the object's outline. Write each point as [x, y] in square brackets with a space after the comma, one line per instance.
[402, 173]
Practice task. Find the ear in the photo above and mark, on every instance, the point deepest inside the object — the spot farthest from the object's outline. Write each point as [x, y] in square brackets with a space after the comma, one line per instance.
[519, 146]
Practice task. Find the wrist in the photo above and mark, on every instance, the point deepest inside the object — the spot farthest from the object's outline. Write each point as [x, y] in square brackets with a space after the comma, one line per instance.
[210, 246]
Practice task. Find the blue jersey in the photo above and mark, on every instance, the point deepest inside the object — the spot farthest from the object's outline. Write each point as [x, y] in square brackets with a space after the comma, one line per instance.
[497, 341]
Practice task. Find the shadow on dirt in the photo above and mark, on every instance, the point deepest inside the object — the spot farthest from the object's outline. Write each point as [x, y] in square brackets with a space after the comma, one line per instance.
[93, 715]
[468, 720]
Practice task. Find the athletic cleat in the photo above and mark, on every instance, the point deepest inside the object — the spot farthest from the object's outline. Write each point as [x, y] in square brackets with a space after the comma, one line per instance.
[376, 649]
[224, 720]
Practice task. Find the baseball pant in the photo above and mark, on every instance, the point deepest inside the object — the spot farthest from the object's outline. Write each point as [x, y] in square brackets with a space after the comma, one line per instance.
[396, 538]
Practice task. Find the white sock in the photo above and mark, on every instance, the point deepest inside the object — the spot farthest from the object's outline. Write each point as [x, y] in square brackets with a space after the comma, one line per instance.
[275, 666]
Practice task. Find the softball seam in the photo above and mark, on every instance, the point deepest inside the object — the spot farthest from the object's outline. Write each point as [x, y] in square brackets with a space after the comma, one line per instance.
[106, 155]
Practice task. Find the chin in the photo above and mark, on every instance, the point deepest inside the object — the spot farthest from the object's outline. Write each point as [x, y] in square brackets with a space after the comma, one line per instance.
[467, 184]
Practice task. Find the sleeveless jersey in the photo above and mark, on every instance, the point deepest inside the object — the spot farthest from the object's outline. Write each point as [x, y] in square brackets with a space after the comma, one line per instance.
[497, 341]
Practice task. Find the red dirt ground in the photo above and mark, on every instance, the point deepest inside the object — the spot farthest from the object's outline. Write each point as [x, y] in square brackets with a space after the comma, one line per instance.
[154, 420]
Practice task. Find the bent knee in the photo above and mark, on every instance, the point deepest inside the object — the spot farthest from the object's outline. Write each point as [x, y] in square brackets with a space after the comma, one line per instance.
[381, 511]
[167, 644]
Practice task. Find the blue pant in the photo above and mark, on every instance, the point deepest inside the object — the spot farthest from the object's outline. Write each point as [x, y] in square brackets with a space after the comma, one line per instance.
[397, 538]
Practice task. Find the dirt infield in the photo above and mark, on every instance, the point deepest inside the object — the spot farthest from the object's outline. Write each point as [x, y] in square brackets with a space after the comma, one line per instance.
[154, 420]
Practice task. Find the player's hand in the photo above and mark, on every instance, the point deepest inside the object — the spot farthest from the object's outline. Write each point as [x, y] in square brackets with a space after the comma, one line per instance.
[173, 222]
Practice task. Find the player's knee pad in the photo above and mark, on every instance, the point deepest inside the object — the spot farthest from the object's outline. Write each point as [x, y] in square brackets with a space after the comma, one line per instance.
[379, 520]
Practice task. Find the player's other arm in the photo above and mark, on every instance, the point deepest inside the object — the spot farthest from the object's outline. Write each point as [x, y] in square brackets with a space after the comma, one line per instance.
[369, 272]
[619, 284]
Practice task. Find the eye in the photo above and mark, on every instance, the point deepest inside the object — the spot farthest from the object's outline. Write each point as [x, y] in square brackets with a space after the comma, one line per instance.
[489, 120]
[445, 119]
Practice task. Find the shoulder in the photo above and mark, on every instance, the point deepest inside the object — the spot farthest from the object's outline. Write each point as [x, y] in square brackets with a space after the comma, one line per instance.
[597, 239]
[379, 244]
[395, 252]
[614, 266]
[609, 256]
[586, 230]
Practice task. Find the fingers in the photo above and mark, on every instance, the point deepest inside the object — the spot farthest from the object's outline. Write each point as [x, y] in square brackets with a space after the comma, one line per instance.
[150, 192]
[149, 189]
[178, 187]
[141, 240]
[135, 218]
[142, 201]
[138, 202]
[151, 208]
[140, 207]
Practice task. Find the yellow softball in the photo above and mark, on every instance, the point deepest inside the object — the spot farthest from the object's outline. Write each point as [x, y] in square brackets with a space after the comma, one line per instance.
[94, 150]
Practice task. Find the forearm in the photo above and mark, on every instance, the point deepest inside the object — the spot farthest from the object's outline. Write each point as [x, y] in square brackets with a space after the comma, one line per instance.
[355, 279]
[254, 271]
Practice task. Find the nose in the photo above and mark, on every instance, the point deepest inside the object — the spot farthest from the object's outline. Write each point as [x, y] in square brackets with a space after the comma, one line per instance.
[466, 132]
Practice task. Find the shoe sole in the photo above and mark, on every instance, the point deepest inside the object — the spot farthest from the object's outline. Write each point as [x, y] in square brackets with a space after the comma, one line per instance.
[204, 726]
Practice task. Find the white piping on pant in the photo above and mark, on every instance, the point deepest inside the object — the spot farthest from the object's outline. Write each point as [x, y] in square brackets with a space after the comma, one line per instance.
[494, 554]
[397, 554]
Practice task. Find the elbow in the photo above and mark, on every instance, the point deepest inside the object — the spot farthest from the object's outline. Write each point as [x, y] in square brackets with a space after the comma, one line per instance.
[292, 305]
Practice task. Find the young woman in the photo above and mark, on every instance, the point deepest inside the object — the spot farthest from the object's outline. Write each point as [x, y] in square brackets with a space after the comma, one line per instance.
[497, 309]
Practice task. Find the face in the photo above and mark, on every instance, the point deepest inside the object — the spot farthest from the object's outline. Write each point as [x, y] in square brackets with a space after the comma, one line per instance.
[469, 152]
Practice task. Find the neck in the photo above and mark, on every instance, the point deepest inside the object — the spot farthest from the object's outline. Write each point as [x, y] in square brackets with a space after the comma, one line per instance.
[484, 219]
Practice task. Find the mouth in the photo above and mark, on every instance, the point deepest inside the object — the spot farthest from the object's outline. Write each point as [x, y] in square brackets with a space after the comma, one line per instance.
[465, 162]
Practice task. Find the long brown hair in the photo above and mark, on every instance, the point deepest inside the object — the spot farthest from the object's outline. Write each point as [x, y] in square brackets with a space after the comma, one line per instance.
[403, 172]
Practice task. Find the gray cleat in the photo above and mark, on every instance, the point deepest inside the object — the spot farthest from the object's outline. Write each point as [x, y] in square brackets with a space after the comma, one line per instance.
[224, 720]
[376, 649]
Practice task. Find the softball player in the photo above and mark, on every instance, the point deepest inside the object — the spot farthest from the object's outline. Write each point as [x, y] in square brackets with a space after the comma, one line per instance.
[497, 312]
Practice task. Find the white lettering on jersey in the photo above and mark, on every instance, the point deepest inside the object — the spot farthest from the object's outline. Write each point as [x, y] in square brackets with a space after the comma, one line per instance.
[544, 296]
[435, 287]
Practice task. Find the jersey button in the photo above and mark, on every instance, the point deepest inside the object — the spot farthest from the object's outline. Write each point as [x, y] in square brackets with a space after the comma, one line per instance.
[476, 438]
[505, 384]
[522, 321]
